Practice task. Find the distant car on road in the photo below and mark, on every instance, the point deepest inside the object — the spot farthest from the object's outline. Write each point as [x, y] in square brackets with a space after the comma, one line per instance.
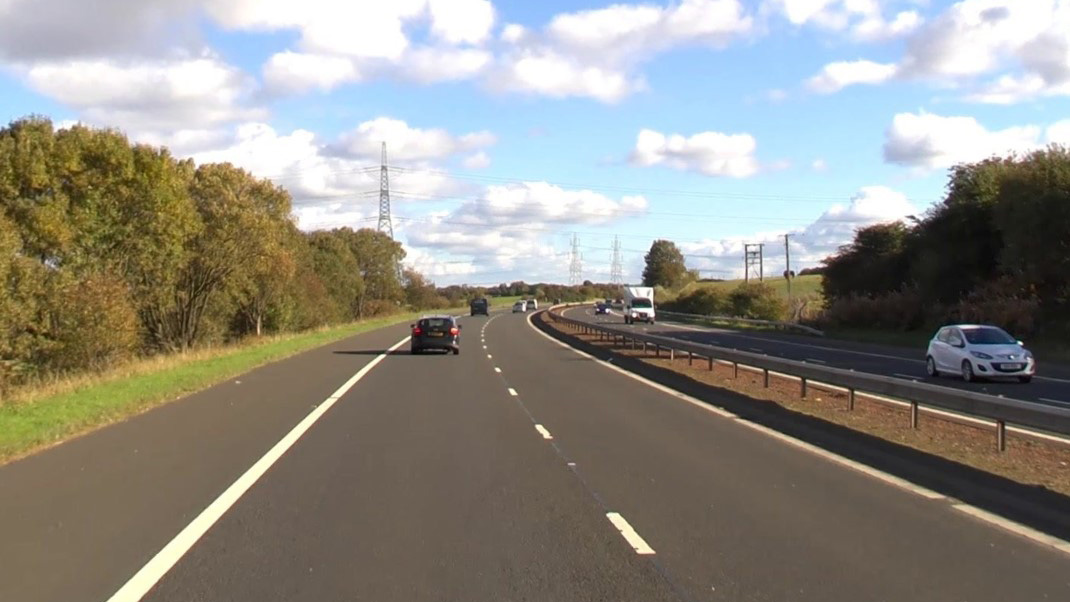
[436, 332]
[480, 306]
[520, 306]
[533, 304]
[976, 351]
[601, 308]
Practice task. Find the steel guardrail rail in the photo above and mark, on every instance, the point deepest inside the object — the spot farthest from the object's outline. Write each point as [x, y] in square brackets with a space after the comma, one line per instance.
[999, 409]
[773, 323]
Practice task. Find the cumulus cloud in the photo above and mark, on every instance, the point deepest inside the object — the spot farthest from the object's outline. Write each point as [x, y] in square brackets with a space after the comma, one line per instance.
[834, 228]
[709, 153]
[929, 141]
[147, 94]
[999, 51]
[407, 143]
[836, 76]
[479, 160]
[595, 53]
[863, 20]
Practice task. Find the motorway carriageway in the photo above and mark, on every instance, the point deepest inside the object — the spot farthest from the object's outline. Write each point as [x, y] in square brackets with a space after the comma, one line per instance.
[518, 470]
[1051, 386]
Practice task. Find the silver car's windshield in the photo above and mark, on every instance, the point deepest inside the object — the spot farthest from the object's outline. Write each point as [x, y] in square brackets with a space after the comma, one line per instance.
[987, 336]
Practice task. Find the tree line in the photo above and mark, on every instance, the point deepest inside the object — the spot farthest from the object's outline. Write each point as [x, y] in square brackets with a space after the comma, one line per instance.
[110, 249]
[996, 249]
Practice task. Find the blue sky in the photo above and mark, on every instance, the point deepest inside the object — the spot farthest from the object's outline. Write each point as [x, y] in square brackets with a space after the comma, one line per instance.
[513, 125]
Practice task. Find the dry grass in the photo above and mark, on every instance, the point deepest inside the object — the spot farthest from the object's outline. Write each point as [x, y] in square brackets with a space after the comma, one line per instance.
[1027, 459]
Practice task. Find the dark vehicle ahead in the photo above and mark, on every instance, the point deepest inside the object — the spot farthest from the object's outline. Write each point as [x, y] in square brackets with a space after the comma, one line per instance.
[601, 308]
[436, 332]
[480, 306]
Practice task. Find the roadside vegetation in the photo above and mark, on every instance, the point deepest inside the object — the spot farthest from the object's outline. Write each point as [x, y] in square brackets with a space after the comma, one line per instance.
[996, 250]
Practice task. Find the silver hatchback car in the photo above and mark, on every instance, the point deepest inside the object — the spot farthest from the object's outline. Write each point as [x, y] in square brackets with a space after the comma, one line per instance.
[975, 351]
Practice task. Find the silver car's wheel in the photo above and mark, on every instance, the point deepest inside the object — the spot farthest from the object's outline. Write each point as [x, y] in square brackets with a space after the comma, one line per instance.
[930, 367]
[967, 371]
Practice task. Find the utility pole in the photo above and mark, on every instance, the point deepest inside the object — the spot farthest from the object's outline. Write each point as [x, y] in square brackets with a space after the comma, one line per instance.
[575, 265]
[787, 265]
[753, 261]
[616, 270]
[385, 223]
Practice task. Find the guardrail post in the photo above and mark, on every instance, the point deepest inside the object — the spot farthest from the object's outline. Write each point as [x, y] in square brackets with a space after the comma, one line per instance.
[657, 350]
[913, 414]
[765, 374]
[850, 399]
[710, 359]
[1001, 435]
[735, 369]
[802, 388]
[644, 348]
[672, 354]
[633, 345]
[690, 356]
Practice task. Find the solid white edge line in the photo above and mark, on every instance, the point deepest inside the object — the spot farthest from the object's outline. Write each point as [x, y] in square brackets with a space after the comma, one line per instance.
[150, 574]
[542, 431]
[1014, 527]
[512, 391]
[638, 543]
[833, 457]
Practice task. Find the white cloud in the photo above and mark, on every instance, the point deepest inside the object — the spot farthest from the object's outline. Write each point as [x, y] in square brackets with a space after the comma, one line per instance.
[709, 153]
[862, 19]
[809, 245]
[147, 95]
[836, 76]
[406, 143]
[298, 72]
[479, 160]
[931, 141]
[819, 165]
[595, 53]
[462, 21]
[547, 72]
[432, 65]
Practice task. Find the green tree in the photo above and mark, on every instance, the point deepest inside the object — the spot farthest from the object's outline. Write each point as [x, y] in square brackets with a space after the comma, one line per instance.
[664, 265]
[875, 262]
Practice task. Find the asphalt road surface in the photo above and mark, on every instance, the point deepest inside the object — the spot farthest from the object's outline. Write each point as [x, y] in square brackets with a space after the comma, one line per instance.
[1051, 386]
[523, 471]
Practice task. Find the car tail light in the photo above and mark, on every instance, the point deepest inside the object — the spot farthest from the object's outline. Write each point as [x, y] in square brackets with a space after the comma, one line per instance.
[454, 331]
[417, 332]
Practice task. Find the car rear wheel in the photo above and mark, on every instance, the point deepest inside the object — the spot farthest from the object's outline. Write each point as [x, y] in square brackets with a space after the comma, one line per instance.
[930, 367]
[456, 351]
[1025, 378]
[967, 371]
[415, 351]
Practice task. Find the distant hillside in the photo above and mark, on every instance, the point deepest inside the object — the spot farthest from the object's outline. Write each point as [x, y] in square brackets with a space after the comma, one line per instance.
[801, 285]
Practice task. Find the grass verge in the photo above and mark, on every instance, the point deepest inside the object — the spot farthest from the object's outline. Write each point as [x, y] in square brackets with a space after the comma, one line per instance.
[1027, 460]
[41, 416]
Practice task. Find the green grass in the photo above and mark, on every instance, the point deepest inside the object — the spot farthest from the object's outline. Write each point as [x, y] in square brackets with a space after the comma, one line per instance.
[42, 416]
[800, 285]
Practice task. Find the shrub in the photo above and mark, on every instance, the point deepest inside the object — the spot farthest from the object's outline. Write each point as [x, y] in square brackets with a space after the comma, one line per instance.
[94, 324]
[1002, 304]
[900, 310]
[704, 301]
[757, 301]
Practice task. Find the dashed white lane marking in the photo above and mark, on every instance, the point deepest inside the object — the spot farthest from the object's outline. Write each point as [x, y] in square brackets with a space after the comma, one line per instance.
[815, 360]
[490, 357]
[572, 464]
[166, 558]
[497, 369]
[1020, 529]
[512, 391]
[484, 346]
[542, 431]
[638, 544]
[907, 376]
[755, 350]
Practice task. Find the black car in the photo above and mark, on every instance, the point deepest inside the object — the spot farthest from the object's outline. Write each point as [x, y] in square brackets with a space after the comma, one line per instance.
[436, 332]
[601, 308]
[480, 306]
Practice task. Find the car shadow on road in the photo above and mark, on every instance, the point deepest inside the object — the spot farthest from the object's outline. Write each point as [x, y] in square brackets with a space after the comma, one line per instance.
[1038, 507]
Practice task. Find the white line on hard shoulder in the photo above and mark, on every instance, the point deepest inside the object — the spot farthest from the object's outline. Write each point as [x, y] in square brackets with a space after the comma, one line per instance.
[1056, 401]
[542, 431]
[1020, 529]
[166, 558]
[638, 543]
[815, 360]
[909, 376]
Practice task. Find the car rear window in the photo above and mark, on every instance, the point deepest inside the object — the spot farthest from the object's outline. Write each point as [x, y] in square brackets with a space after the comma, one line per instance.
[987, 336]
[435, 323]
